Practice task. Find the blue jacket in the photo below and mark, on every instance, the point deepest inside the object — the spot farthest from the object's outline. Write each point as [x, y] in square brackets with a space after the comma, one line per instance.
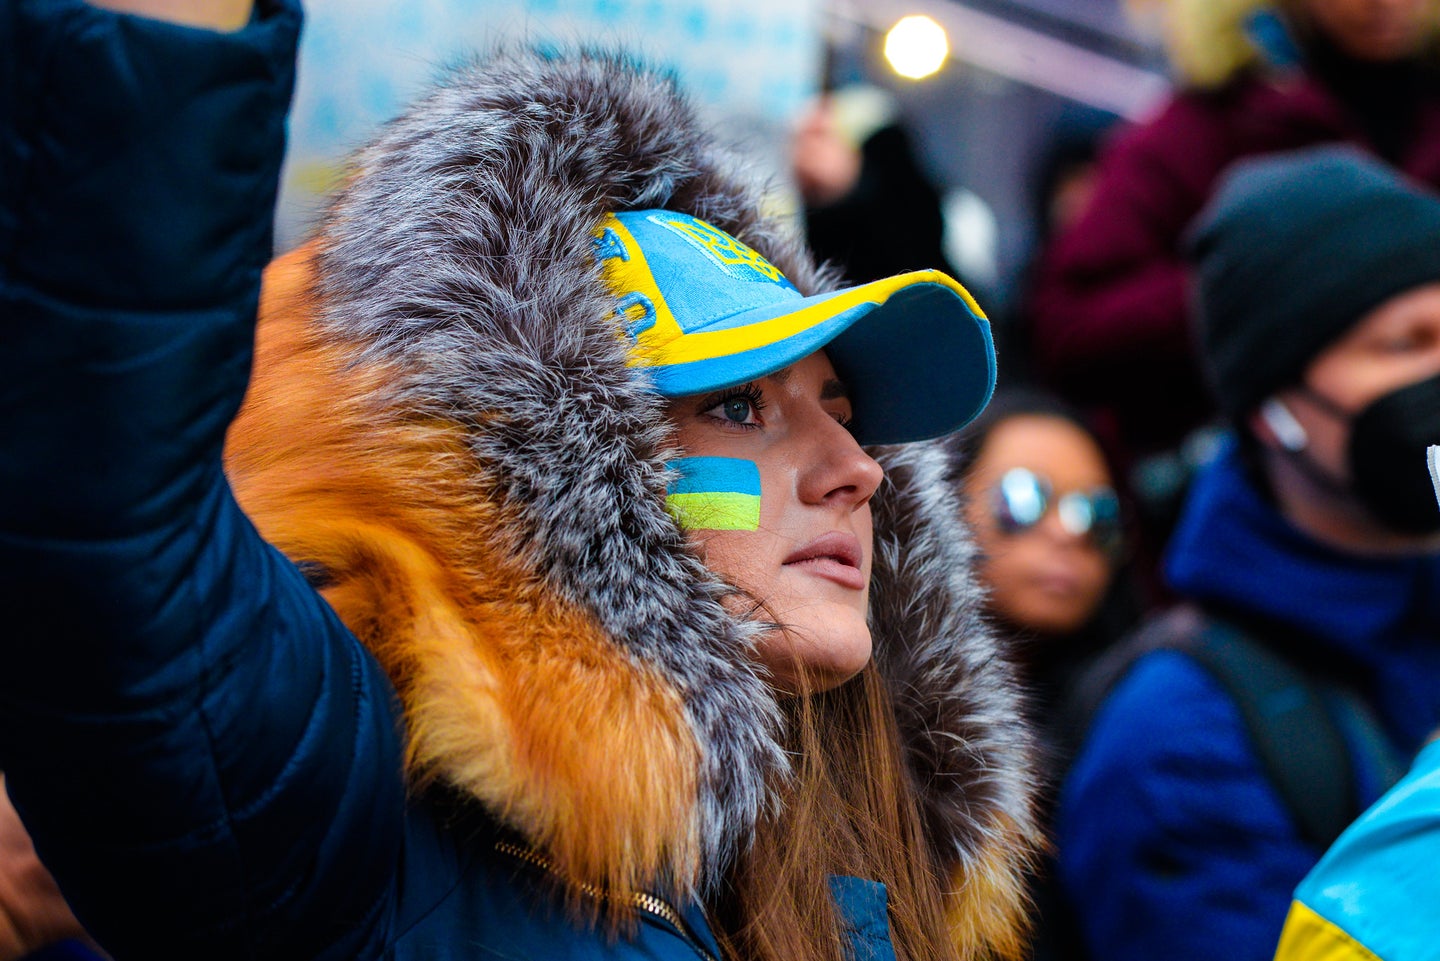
[209, 760]
[1172, 842]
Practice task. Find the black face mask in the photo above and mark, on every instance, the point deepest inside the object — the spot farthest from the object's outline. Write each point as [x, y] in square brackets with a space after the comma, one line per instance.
[1387, 457]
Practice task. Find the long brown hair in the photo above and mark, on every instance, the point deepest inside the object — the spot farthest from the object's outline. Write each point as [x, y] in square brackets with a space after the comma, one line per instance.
[850, 809]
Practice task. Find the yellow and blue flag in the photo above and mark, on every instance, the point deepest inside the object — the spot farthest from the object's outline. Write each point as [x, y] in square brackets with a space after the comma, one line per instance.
[1375, 896]
[715, 494]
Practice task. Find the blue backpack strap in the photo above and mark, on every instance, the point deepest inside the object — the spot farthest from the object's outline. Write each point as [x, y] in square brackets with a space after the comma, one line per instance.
[1297, 724]
[1379, 762]
[1299, 743]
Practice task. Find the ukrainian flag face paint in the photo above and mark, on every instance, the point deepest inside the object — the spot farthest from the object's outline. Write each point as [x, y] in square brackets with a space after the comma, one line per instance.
[715, 494]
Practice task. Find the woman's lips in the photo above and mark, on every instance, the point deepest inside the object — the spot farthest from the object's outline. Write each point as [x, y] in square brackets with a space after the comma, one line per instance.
[835, 556]
[1058, 582]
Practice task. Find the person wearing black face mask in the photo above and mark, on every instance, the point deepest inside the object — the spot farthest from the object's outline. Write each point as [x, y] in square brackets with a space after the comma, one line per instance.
[1313, 536]
[1377, 479]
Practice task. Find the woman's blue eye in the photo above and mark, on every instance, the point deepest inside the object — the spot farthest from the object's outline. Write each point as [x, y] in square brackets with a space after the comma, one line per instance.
[736, 409]
[739, 408]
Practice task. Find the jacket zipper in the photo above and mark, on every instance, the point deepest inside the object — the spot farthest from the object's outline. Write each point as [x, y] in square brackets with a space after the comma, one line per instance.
[648, 903]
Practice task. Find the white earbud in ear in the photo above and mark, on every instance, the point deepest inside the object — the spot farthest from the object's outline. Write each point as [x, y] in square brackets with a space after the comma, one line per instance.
[1284, 426]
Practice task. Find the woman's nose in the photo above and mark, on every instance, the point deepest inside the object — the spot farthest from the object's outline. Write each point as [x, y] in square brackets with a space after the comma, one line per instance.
[840, 470]
[1055, 530]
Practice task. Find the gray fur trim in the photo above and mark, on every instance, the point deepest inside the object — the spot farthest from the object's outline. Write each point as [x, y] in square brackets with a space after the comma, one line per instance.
[956, 692]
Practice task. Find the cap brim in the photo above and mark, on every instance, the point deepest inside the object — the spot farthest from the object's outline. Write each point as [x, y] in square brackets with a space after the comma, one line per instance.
[914, 351]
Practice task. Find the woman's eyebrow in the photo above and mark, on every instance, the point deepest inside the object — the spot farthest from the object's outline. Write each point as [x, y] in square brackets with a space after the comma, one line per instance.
[834, 389]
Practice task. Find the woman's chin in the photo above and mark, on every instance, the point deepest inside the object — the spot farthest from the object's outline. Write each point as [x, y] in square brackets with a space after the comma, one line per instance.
[817, 653]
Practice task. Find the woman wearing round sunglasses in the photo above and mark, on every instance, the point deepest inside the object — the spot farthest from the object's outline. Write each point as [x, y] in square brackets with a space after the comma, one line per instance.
[1043, 507]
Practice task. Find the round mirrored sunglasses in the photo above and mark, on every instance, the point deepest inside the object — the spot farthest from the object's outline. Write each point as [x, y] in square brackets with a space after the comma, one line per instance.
[1022, 497]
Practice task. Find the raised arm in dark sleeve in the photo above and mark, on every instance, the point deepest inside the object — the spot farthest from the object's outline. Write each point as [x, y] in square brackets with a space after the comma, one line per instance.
[201, 751]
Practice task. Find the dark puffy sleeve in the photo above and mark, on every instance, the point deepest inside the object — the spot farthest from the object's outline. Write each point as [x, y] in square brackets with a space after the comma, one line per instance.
[207, 760]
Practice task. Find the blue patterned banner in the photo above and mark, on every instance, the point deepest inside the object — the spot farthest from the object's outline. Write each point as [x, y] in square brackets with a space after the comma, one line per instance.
[753, 62]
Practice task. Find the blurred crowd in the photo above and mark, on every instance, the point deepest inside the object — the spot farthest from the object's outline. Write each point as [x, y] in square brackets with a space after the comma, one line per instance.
[1200, 493]
[1200, 497]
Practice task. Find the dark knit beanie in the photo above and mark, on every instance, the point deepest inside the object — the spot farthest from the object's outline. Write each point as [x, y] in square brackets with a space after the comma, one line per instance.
[1294, 249]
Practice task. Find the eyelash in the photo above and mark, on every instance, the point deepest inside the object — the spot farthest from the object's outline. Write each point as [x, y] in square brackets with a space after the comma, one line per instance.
[753, 396]
[747, 392]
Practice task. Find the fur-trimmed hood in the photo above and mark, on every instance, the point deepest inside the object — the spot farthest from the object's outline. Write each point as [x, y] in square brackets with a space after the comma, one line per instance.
[442, 427]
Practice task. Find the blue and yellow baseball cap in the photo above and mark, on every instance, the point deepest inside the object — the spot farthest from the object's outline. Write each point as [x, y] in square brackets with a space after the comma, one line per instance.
[706, 312]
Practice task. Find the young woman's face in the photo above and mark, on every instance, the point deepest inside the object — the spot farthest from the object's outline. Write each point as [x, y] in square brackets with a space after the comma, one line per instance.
[807, 563]
[1046, 578]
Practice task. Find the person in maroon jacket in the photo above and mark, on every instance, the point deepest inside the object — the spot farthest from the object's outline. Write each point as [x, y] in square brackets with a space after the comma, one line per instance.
[1107, 309]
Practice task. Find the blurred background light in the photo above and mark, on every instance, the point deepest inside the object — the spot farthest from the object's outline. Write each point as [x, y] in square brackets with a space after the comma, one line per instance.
[916, 47]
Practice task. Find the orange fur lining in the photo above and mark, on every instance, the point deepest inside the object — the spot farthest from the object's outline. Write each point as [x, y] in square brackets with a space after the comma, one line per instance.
[510, 695]
[988, 907]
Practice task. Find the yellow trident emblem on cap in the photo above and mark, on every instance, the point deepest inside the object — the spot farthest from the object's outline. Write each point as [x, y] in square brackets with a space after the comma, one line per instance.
[726, 249]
